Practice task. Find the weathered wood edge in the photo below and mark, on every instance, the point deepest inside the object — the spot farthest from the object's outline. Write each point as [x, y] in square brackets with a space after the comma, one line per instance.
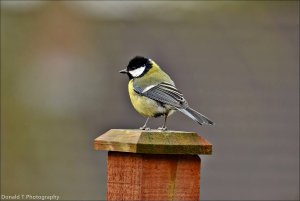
[115, 146]
[202, 147]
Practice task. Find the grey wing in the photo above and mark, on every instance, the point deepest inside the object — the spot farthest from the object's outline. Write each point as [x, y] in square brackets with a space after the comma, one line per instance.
[165, 93]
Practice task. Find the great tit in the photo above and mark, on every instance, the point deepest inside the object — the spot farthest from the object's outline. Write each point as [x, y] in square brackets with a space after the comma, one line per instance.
[154, 94]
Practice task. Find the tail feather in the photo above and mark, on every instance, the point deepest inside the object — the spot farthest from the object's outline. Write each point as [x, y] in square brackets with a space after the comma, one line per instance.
[196, 116]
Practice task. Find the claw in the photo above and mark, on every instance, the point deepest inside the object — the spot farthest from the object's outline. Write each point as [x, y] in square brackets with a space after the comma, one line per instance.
[163, 128]
[145, 128]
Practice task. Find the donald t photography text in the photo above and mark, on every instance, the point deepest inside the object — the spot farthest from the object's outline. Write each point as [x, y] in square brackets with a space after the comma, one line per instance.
[29, 197]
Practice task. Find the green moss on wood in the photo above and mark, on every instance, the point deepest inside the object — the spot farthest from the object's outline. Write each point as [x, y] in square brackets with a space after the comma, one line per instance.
[153, 142]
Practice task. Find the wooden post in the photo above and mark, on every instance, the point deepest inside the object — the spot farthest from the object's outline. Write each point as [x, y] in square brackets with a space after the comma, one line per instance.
[153, 165]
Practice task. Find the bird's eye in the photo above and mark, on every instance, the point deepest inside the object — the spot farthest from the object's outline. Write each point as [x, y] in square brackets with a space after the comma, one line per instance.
[136, 67]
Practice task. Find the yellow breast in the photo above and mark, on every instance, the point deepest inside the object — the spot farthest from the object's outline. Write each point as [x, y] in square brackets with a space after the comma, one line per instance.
[143, 105]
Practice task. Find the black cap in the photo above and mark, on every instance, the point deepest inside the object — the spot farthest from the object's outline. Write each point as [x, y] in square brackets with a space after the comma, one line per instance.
[137, 62]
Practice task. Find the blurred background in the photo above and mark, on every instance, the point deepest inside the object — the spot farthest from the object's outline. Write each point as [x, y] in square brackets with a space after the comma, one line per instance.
[236, 62]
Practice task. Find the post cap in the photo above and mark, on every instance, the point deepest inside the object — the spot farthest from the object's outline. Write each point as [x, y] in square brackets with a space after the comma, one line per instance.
[153, 142]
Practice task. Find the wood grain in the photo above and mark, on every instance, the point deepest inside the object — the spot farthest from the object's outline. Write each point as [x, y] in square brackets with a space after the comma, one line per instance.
[153, 177]
[153, 142]
[124, 176]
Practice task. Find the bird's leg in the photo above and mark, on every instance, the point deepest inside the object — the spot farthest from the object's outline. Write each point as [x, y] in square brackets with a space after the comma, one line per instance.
[164, 127]
[144, 127]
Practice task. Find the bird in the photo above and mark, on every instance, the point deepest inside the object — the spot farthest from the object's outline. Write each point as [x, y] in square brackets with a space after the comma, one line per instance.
[153, 93]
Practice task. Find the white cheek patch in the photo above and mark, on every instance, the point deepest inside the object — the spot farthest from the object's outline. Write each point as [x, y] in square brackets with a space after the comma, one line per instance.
[137, 72]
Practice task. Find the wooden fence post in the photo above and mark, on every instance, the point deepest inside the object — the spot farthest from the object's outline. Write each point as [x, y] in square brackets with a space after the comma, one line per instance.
[153, 165]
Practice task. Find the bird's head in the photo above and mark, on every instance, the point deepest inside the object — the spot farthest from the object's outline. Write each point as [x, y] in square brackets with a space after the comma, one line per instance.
[137, 67]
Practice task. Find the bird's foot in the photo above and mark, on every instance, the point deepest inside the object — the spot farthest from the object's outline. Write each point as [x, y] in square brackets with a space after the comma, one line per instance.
[164, 128]
[145, 128]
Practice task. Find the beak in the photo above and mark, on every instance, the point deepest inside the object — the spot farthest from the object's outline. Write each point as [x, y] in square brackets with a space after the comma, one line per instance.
[123, 71]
